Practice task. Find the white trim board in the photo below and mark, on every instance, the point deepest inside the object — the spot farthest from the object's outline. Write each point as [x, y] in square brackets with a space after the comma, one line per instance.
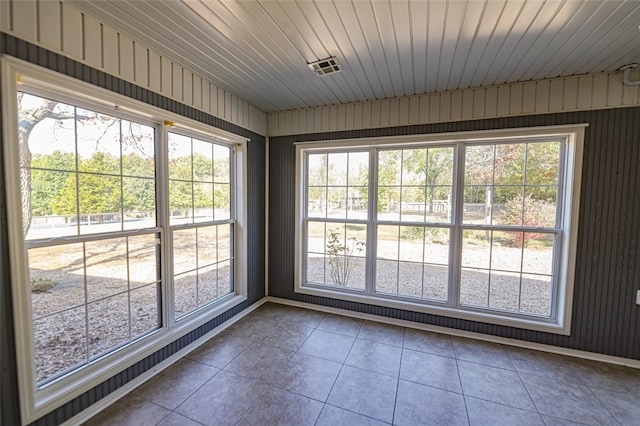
[462, 333]
[124, 390]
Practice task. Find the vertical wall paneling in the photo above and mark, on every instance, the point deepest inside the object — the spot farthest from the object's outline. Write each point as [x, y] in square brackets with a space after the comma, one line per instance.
[556, 95]
[491, 101]
[72, 42]
[141, 65]
[585, 84]
[504, 99]
[367, 114]
[456, 106]
[425, 108]
[155, 72]
[445, 106]
[125, 46]
[206, 92]
[529, 97]
[110, 56]
[228, 106]
[605, 317]
[49, 28]
[5, 17]
[176, 81]
[600, 90]
[467, 104]
[515, 99]
[197, 92]
[339, 117]
[213, 99]
[615, 90]
[187, 87]
[630, 93]
[414, 110]
[166, 76]
[24, 20]
[570, 95]
[92, 41]
[478, 100]
[543, 88]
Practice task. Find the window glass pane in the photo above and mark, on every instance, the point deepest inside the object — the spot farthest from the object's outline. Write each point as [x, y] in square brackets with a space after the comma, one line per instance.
[436, 246]
[222, 163]
[476, 248]
[337, 166]
[179, 157]
[225, 282]
[54, 208]
[202, 161]
[435, 279]
[509, 164]
[145, 314]
[337, 202]
[222, 201]
[507, 205]
[389, 203]
[144, 259]
[98, 142]
[506, 251]
[413, 204]
[138, 149]
[505, 290]
[57, 278]
[536, 294]
[317, 171]
[317, 201]
[389, 168]
[543, 163]
[139, 202]
[225, 246]
[106, 267]
[474, 287]
[203, 201]
[184, 251]
[410, 279]
[185, 289]
[538, 253]
[540, 207]
[180, 202]
[100, 198]
[60, 343]
[108, 323]
[207, 245]
[478, 167]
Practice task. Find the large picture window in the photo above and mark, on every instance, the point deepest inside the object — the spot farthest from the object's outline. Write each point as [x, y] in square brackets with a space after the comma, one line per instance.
[127, 228]
[479, 228]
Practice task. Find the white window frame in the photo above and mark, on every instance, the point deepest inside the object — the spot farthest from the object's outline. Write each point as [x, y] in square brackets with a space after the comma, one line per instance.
[559, 323]
[37, 401]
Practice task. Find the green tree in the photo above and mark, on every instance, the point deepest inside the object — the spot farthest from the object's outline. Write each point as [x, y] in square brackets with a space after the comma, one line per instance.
[47, 184]
[97, 193]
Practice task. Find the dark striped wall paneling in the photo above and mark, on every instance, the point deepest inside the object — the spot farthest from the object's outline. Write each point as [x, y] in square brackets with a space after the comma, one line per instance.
[606, 319]
[255, 228]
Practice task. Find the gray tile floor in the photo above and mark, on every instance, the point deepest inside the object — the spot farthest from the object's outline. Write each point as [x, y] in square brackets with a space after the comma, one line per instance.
[288, 366]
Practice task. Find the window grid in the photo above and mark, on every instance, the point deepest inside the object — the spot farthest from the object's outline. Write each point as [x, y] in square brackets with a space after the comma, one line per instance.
[458, 228]
[191, 297]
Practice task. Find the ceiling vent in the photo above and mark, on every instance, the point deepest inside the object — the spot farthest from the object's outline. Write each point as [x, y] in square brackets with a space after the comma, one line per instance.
[325, 66]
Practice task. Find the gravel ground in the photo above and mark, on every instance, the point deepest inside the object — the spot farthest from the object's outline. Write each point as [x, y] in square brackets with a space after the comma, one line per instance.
[118, 310]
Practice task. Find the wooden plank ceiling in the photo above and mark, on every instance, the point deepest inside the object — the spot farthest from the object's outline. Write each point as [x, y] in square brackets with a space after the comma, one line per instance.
[259, 49]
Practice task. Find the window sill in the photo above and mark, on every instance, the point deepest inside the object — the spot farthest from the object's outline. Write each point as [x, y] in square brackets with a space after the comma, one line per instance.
[468, 314]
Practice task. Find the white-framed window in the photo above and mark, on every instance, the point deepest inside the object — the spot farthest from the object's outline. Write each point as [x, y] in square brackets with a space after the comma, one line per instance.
[127, 230]
[474, 225]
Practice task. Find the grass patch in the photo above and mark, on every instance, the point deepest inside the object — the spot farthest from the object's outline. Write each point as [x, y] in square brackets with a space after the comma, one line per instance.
[42, 285]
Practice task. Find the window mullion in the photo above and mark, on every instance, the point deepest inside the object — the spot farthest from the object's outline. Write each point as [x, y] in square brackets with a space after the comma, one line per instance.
[455, 244]
[372, 243]
[163, 215]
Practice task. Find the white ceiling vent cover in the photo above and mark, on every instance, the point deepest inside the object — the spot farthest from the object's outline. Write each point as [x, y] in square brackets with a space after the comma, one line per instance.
[325, 66]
